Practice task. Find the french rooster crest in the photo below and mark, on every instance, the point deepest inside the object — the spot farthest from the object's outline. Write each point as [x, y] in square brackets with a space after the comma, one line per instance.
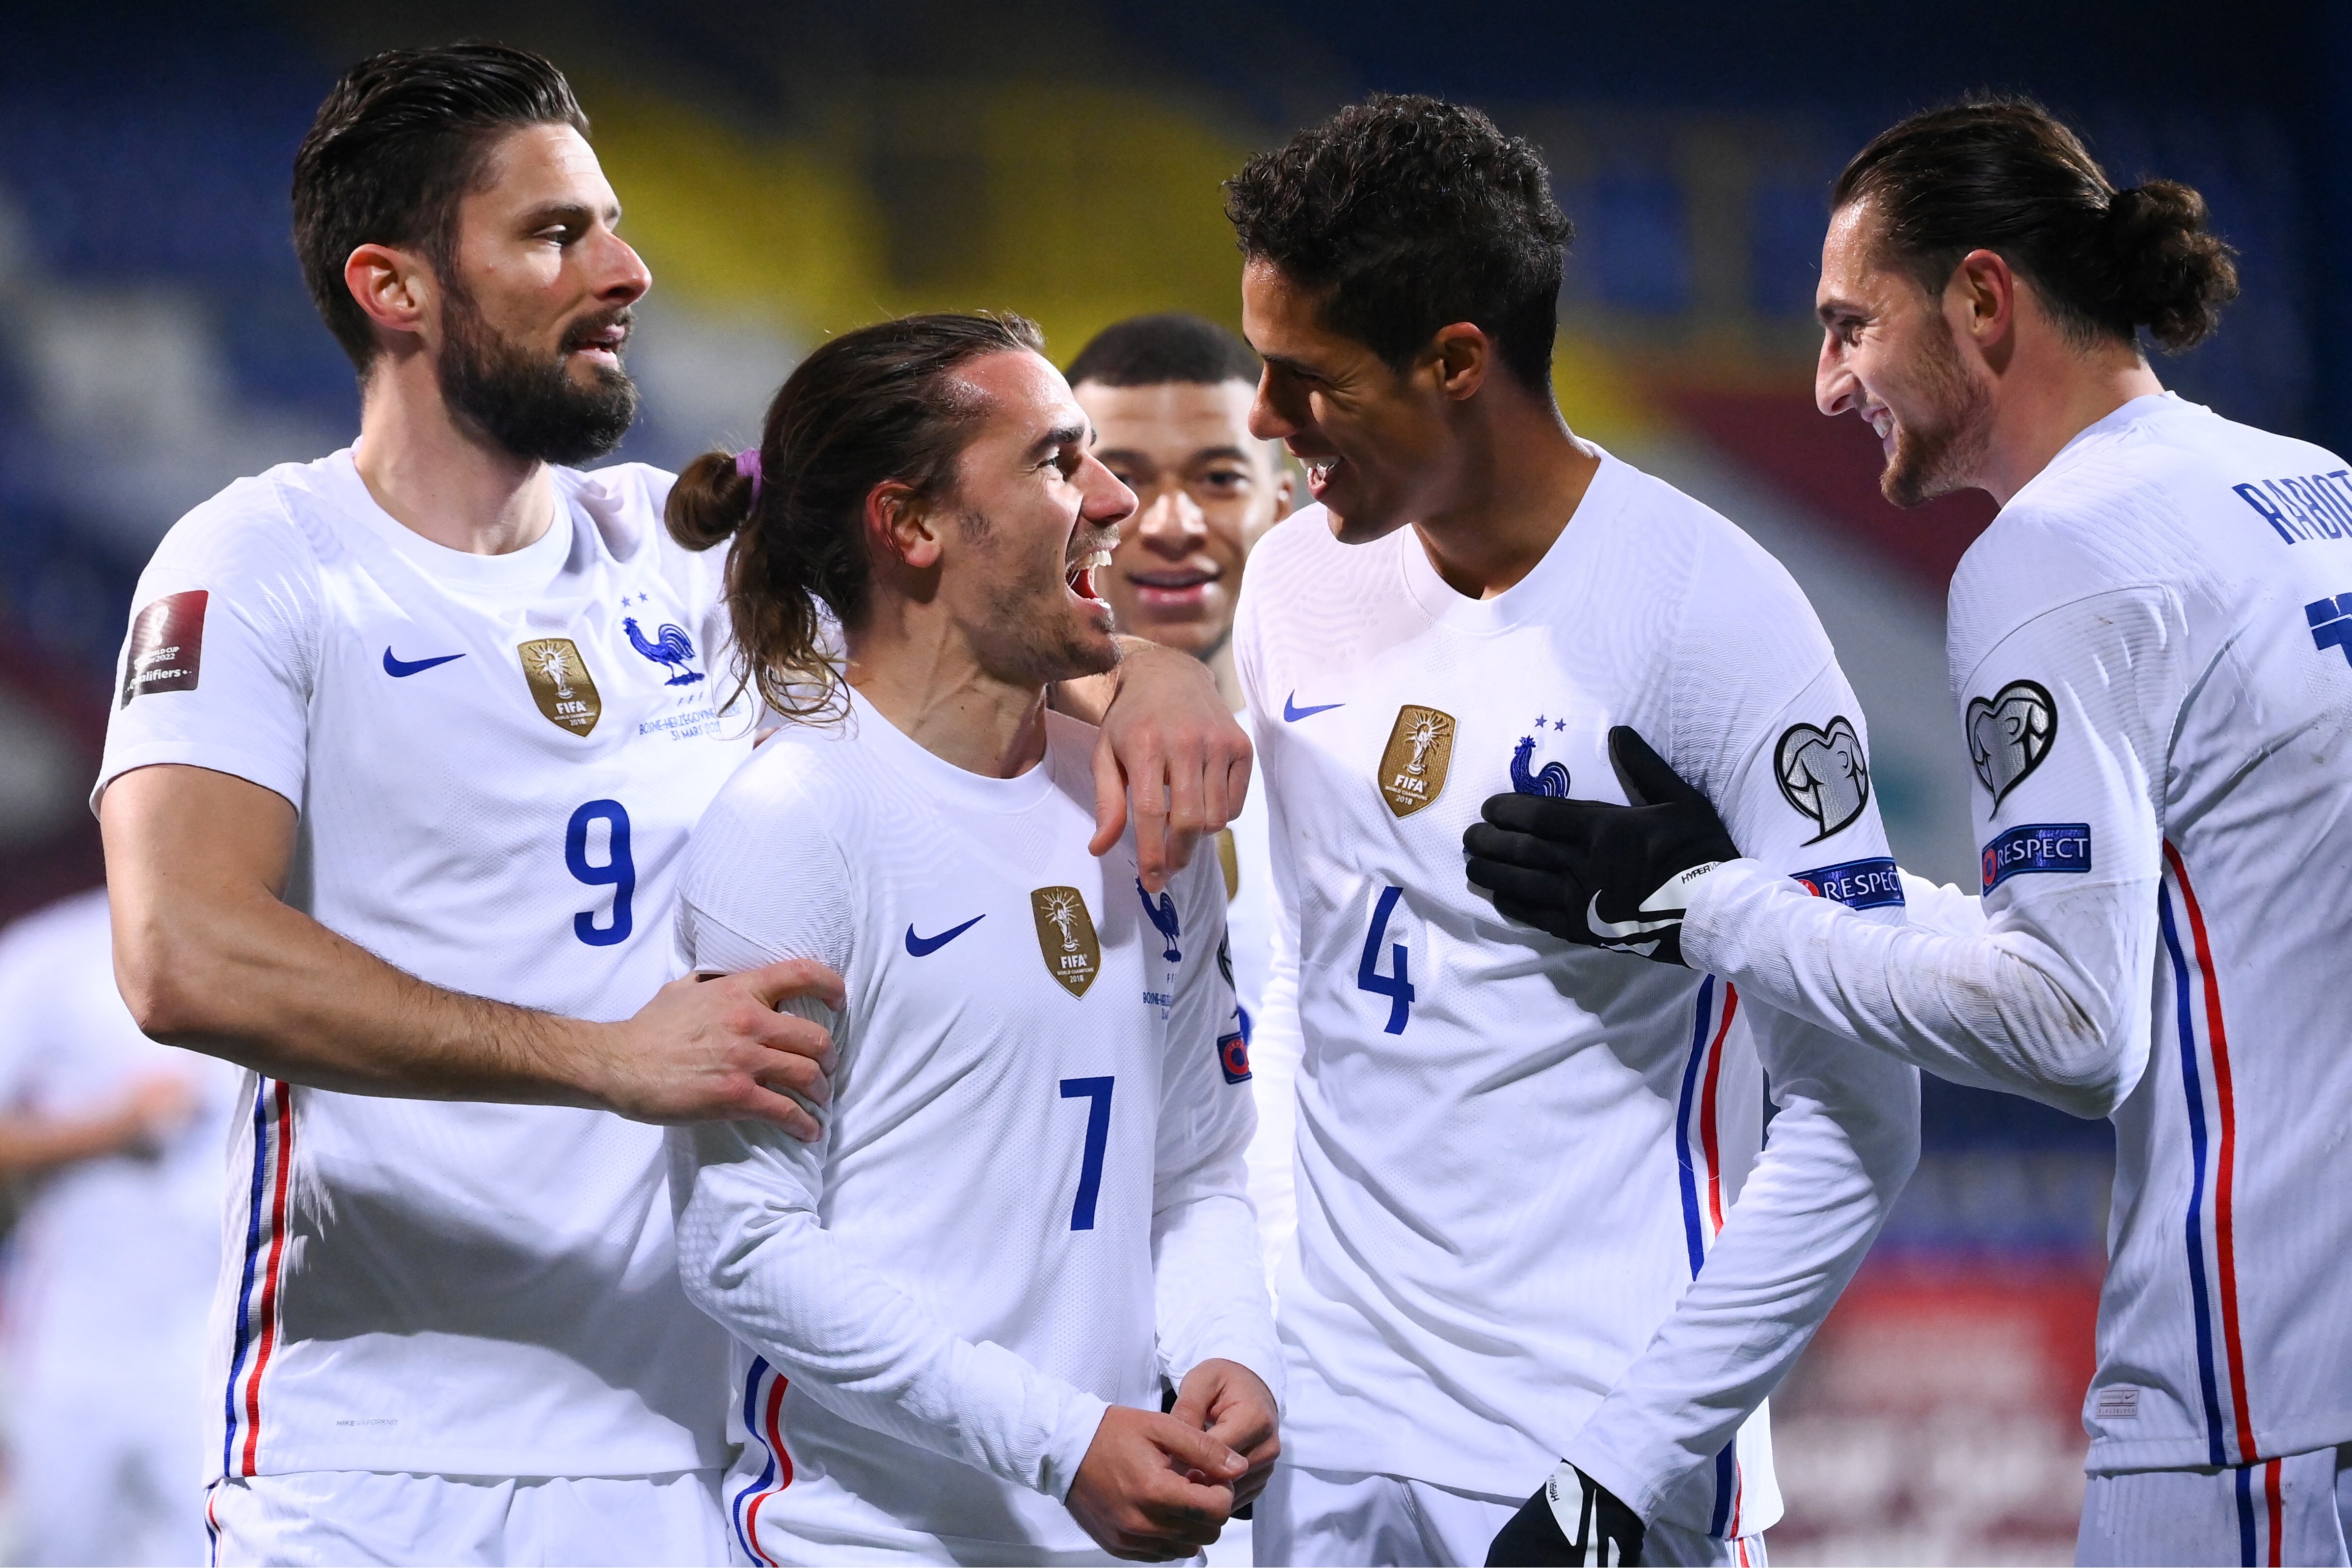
[1551, 781]
[1163, 917]
[672, 647]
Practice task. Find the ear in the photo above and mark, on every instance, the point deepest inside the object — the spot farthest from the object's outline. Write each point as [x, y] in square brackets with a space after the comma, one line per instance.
[393, 287]
[1462, 355]
[1981, 299]
[900, 527]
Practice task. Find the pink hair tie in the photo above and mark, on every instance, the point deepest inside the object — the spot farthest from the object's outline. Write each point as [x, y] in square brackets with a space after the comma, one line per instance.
[747, 463]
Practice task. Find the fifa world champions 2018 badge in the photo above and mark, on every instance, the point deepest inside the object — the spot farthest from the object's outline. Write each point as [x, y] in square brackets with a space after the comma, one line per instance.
[561, 685]
[1066, 937]
[1823, 774]
[1412, 768]
[167, 646]
[2009, 734]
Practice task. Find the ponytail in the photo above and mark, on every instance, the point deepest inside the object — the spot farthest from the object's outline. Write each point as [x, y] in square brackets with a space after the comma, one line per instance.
[2004, 174]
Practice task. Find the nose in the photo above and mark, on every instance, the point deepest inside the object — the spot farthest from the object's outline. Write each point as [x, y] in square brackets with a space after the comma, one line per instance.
[625, 278]
[1266, 421]
[1106, 502]
[1835, 386]
[1171, 523]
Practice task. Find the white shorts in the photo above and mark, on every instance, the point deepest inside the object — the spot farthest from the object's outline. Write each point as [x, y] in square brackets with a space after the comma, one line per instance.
[2294, 1511]
[353, 1517]
[1329, 1519]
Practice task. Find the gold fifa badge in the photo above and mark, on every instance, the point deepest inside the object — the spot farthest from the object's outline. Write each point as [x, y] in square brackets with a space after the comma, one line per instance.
[1065, 936]
[561, 685]
[1412, 769]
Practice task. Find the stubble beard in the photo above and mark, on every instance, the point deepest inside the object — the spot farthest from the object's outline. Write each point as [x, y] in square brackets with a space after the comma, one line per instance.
[526, 403]
[1031, 648]
[1943, 453]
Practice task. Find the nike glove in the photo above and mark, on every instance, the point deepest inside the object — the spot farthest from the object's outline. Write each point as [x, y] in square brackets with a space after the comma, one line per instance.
[1574, 1520]
[1618, 877]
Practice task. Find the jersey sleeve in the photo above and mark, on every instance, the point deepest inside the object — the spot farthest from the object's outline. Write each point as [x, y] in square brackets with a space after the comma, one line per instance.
[753, 1253]
[2070, 716]
[1209, 1286]
[1777, 742]
[216, 671]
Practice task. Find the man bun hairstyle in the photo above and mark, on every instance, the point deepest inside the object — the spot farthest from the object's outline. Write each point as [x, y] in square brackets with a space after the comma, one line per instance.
[879, 404]
[2003, 174]
[398, 143]
[1407, 213]
[1153, 351]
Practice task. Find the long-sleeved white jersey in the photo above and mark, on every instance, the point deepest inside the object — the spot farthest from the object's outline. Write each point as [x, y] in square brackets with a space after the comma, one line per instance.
[2151, 652]
[1532, 1218]
[1029, 1203]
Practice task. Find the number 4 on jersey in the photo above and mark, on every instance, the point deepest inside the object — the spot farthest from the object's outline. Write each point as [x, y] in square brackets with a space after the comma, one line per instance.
[1396, 985]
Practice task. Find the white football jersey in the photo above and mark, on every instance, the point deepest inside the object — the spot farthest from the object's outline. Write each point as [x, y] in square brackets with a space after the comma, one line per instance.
[2151, 653]
[1029, 1203]
[496, 759]
[121, 1250]
[1514, 1154]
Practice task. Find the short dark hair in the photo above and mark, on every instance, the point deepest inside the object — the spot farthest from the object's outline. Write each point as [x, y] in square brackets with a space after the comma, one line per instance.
[1151, 350]
[863, 409]
[1409, 212]
[2004, 174]
[399, 139]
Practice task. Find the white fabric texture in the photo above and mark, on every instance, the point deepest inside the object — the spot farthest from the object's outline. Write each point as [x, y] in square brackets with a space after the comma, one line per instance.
[2163, 906]
[412, 1285]
[345, 1519]
[2293, 1510]
[106, 1446]
[1508, 1180]
[1252, 930]
[1335, 1519]
[1030, 1202]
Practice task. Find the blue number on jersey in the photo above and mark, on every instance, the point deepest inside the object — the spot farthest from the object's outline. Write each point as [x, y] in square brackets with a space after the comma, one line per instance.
[1397, 987]
[619, 872]
[1098, 1091]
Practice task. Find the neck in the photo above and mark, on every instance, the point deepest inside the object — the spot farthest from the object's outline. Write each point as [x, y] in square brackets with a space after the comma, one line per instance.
[439, 479]
[2049, 393]
[1520, 475]
[913, 667]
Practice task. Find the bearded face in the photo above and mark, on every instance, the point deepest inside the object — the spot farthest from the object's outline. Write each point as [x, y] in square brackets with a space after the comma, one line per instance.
[540, 404]
[1943, 421]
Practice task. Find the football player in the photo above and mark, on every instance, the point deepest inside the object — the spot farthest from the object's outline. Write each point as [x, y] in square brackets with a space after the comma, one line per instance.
[395, 793]
[1533, 1221]
[953, 1314]
[2149, 653]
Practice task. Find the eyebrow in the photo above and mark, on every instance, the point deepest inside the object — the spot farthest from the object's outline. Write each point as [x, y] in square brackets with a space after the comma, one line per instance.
[577, 212]
[1060, 435]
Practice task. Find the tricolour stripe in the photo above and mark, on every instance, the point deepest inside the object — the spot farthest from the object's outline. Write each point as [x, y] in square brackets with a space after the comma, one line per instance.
[2225, 1245]
[265, 1257]
[2192, 1089]
[2277, 1507]
[1702, 1195]
[763, 1420]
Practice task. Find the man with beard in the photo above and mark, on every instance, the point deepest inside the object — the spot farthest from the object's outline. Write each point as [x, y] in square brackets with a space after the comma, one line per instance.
[1534, 1221]
[2150, 650]
[407, 745]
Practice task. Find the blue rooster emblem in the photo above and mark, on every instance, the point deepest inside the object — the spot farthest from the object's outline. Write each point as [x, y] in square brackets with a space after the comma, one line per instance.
[674, 648]
[1551, 781]
[1163, 917]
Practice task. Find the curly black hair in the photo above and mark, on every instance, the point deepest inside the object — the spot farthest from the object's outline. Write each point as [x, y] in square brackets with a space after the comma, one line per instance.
[1408, 213]
[2004, 174]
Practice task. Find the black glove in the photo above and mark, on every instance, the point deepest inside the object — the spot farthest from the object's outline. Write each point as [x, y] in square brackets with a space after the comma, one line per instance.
[1605, 1530]
[1606, 876]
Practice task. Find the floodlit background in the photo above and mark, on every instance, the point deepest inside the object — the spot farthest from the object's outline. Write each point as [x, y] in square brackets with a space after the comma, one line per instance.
[790, 169]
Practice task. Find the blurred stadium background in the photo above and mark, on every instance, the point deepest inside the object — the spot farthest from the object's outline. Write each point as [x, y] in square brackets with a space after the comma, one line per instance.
[792, 169]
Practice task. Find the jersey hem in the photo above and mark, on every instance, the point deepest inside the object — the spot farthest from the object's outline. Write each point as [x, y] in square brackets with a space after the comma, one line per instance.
[2111, 1457]
[485, 1462]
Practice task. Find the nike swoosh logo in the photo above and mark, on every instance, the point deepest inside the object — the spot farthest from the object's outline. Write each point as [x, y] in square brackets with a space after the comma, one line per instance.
[1292, 713]
[1613, 931]
[923, 946]
[396, 668]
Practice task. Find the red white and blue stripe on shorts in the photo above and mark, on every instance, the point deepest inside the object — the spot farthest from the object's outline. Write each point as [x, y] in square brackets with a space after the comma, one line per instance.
[1699, 1151]
[263, 1274]
[2201, 1032]
[763, 1418]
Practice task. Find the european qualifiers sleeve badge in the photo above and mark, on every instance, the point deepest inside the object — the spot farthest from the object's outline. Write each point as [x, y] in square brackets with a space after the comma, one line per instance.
[2009, 734]
[1066, 937]
[561, 685]
[1823, 774]
[1414, 765]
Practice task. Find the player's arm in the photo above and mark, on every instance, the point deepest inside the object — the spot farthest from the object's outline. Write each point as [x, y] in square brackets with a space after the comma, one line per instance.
[210, 957]
[1217, 1343]
[1168, 750]
[137, 1121]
